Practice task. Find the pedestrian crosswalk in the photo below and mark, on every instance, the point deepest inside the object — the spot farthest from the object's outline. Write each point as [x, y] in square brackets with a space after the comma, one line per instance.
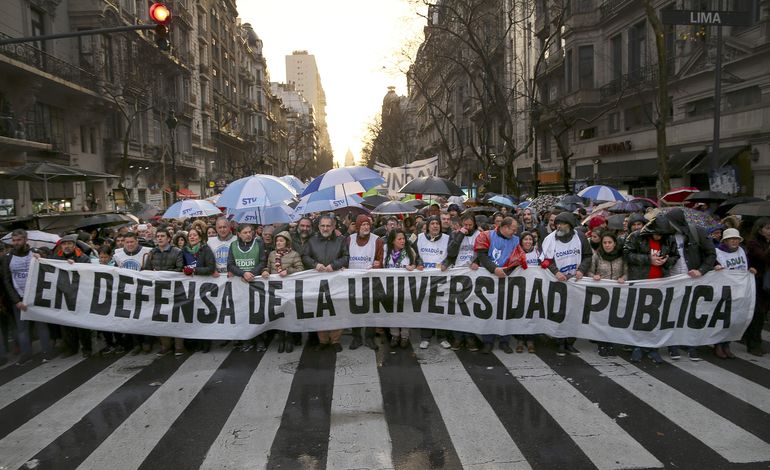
[403, 409]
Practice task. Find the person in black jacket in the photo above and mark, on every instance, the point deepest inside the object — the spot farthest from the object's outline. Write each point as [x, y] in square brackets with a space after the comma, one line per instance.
[326, 252]
[697, 257]
[74, 338]
[165, 257]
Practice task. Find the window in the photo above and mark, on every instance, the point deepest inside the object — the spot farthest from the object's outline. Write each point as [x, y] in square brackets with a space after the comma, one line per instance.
[545, 147]
[638, 116]
[92, 136]
[586, 66]
[588, 133]
[83, 140]
[637, 40]
[568, 71]
[700, 107]
[616, 56]
[613, 123]
[743, 97]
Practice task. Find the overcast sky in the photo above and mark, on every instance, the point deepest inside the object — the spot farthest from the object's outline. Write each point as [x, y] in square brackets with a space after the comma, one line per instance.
[357, 45]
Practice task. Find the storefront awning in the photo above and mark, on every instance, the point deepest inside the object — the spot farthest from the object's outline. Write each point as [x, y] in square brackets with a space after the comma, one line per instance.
[725, 155]
[183, 193]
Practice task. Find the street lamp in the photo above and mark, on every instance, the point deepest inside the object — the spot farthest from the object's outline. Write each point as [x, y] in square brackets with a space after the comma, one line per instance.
[500, 161]
[171, 122]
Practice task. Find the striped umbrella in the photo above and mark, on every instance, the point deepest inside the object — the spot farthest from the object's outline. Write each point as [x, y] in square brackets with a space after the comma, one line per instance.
[601, 193]
[327, 200]
[279, 213]
[350, 179]
[255, 191]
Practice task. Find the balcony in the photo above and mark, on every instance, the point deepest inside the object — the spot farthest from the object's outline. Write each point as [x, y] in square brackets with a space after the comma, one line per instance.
[612, 7]
[181, 11]
[37, 58]
[583, 15]
[643, 77]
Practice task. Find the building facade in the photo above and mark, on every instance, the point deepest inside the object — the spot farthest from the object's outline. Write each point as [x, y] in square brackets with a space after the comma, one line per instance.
[193, 118]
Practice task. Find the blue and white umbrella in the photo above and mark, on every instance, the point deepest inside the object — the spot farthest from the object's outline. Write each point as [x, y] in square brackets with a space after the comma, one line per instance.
[279, 213]
[351, 179]
[326, 200]
[294, 182]
[191, 208]
[601, 193]
[502, 201]
[255, 191]
[524, 204]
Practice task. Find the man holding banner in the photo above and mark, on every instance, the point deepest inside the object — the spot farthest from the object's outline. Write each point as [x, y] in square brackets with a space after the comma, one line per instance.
[566, 253]
[246, 259]
[326, 252]
[365, 252]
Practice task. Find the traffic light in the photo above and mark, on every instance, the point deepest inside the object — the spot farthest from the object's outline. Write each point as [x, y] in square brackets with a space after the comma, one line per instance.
[161, 15]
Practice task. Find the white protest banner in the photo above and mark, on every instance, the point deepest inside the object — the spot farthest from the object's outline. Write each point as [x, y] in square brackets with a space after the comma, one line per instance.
[673, 311]
[397, 176]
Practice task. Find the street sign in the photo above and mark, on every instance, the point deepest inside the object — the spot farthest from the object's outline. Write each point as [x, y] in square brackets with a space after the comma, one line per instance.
[715, 18]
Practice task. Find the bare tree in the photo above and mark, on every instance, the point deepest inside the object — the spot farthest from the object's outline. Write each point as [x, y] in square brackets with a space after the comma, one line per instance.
[663, 103]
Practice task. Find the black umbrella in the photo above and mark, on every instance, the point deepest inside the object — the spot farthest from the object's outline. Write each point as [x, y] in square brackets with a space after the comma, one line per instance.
[615, 222]
[571, 199]
[417, 203]
[431, 185]
[754, 209]
[144, 211]
[734, 201]
[625, 207]
[45, 172]
[105, 220]
[394, 208]
[707, 196]
[373, 201]
[481, 210]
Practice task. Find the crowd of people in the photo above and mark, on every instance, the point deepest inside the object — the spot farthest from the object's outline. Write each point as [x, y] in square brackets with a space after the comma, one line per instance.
[437, 238]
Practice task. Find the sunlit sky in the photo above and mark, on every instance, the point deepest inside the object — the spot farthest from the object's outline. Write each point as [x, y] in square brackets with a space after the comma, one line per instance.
[357, 45]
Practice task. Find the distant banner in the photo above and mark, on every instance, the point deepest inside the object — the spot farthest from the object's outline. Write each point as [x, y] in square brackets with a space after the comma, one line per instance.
[673, 311]
[398, 176]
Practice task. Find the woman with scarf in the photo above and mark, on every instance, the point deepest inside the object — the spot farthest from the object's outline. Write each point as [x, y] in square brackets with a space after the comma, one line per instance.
[730, 255]
[528, 244]
[400, 254]
[284, 261]
[608, 263]
[198, 260]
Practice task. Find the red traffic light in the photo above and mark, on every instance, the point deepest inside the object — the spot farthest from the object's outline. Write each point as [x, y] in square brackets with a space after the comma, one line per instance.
[160, 13]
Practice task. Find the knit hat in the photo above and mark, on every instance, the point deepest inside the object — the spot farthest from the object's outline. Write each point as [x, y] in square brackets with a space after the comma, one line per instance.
[732, 233]
[363, 218]
[596, 222]
[69, 238]
[566, 218]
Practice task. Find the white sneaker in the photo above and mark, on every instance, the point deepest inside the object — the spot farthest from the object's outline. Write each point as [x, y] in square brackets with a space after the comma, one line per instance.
[445, 344]
[424, 344]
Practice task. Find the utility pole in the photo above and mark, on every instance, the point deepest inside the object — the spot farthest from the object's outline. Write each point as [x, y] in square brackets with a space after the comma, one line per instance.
[171, 122]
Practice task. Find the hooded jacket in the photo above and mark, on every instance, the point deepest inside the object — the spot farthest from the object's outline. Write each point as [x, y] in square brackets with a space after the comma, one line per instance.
[636, 249]
[699, 250]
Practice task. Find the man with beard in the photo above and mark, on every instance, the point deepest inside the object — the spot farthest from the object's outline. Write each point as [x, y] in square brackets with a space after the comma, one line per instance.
[446, 223]
[498, 251]
[547, 226]
[697, 256]
[528, 222]
[365, 252]
[432, 249]
[73, 337]
[566, 253]
[326, 252]
[302, 235]
[220, 245]
[15, 271]
[461, 253]
[246, 260]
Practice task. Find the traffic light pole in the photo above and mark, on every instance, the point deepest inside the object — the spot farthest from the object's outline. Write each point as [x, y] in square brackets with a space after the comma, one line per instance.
[75, 34]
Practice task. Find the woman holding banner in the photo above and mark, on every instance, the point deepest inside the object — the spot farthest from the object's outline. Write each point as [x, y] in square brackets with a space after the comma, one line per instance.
[608, 263]
[198, 260]
[400, 254]
[283, 261]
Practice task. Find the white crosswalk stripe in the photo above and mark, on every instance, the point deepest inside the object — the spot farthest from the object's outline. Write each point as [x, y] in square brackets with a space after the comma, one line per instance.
[246, 437]
[128, 446]
[20, 386]
[601, 439]
[22, 444]
[730, 441]
[479, 437]
[359, 436]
